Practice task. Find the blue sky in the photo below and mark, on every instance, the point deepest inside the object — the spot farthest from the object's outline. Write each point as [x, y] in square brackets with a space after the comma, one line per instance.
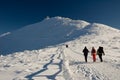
[15, 14]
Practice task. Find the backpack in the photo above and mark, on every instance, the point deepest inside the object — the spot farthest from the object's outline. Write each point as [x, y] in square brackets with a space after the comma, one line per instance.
[100, 50]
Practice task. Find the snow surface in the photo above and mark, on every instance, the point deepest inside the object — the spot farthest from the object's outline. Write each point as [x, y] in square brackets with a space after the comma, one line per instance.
[4, 34]
[53, 61]
[49, 32]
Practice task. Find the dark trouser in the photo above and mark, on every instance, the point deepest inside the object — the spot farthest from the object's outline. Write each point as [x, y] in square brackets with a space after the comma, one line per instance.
[100, 56]
[85, 58]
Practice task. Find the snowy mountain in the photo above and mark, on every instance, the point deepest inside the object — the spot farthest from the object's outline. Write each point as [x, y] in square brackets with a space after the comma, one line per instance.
[49, 32]
[38, 52]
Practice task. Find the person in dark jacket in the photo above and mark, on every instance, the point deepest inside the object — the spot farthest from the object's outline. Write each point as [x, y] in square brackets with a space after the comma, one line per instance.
[85, 51]
[100, 52]
[66, 46]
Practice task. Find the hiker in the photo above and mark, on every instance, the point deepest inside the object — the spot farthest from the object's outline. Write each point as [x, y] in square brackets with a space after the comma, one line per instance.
[85, 51]
[93, 53]
[66, 46]
[100, 52]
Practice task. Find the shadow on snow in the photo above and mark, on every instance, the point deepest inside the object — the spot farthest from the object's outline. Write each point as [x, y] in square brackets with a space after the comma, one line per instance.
[45, 67]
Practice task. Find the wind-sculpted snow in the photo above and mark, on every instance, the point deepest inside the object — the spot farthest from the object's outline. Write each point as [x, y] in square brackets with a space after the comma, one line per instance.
[5, 34]
[49, 32]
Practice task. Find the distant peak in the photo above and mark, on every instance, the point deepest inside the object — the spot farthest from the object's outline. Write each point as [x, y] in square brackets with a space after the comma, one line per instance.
[59, 18]
[63, 18]
[68, 21]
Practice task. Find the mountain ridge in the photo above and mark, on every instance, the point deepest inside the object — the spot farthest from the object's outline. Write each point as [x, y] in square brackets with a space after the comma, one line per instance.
[49, 32]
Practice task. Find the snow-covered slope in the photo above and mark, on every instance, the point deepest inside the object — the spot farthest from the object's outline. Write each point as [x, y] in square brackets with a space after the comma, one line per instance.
[49, 32]
[57, 62]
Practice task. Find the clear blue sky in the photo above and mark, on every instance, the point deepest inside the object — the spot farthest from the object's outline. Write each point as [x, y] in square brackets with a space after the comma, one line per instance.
[15, 14]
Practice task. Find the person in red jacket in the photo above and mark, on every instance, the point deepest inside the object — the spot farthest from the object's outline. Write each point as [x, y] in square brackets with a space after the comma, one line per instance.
[93, 53]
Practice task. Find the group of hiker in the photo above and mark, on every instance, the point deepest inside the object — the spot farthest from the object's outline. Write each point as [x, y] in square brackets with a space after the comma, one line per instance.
[99, 52]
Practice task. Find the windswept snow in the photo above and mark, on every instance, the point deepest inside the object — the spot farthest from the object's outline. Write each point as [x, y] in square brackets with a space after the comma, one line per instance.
[49, 32]
[2, 35]
[53, 61]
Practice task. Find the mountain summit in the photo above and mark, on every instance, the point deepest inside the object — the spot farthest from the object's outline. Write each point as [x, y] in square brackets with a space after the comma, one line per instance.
[49, 32]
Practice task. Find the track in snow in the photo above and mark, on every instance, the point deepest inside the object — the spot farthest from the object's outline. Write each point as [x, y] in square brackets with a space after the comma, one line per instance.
[46, 73]
[91, 70]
